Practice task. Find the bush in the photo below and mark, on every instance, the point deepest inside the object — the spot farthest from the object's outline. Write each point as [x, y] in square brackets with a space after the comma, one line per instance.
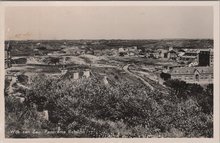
[22, 79]
[19, 61]
[165, 76]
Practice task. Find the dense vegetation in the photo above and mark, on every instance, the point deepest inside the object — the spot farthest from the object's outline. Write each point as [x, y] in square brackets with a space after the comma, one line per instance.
[87, 108]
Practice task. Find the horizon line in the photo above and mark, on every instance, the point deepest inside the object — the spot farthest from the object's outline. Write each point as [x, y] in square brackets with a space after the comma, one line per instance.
[107, 39]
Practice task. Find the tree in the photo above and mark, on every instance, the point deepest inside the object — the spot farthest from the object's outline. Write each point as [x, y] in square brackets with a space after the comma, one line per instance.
[177, 87]
[42, 48]
[206, 100]
[165, 76]
[54, 60]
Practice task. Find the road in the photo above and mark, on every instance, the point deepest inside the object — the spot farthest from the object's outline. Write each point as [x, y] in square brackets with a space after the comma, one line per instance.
[125, 68]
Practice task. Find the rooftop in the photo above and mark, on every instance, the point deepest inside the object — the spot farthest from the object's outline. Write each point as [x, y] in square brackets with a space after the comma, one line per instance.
[191, 70]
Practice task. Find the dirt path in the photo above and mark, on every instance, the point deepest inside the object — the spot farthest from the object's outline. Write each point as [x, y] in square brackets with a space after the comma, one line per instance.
[125, 68]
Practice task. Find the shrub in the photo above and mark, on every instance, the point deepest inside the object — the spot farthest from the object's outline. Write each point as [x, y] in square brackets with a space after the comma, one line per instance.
[165, 76]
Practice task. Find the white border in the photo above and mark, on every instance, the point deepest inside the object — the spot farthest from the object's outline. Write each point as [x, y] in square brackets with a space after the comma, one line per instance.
[214, 4]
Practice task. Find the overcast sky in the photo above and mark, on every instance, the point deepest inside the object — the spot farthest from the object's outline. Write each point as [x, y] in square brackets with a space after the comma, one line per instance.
[108, 22]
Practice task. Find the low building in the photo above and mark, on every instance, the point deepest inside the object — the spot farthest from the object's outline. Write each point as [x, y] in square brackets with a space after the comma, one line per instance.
[133, 48]
[172, 55]
[188, 58]
[75, 74]
[128, 51]
[167, 54]
[200, 75]
[170, 48]
[98, 52]
[90, 52]
[163, 53]
[153, 55]
[156, 55]
[181, 52]
[121, 50]
[190, 55]
[131, 53]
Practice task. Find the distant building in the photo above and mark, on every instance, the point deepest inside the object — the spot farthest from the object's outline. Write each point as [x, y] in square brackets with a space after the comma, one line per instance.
[147, 55]
[211, 58]
[172, 55]
[168, 54]
[114, 52]
[170, 48]
[193, 64]
[63, 71]
[76, 74]
[200, 75]
[190, 55]
[98, 52]
[131, 53]
[205, 58]
[128, 51]
[156, 55]
[121, 50]
[78, 52]
[8, 56]
[181, 52]
[90, 52]
[133, 49]
[163, 53]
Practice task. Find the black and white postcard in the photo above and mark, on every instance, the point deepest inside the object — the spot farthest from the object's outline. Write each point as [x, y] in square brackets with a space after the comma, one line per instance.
[137, 70]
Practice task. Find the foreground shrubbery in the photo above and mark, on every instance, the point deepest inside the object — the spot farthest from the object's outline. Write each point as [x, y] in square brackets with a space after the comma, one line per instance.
[88, 108]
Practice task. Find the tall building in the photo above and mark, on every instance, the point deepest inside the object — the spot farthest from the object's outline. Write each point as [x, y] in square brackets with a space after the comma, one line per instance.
[8, 56]
[211, 58]
[204, 57]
